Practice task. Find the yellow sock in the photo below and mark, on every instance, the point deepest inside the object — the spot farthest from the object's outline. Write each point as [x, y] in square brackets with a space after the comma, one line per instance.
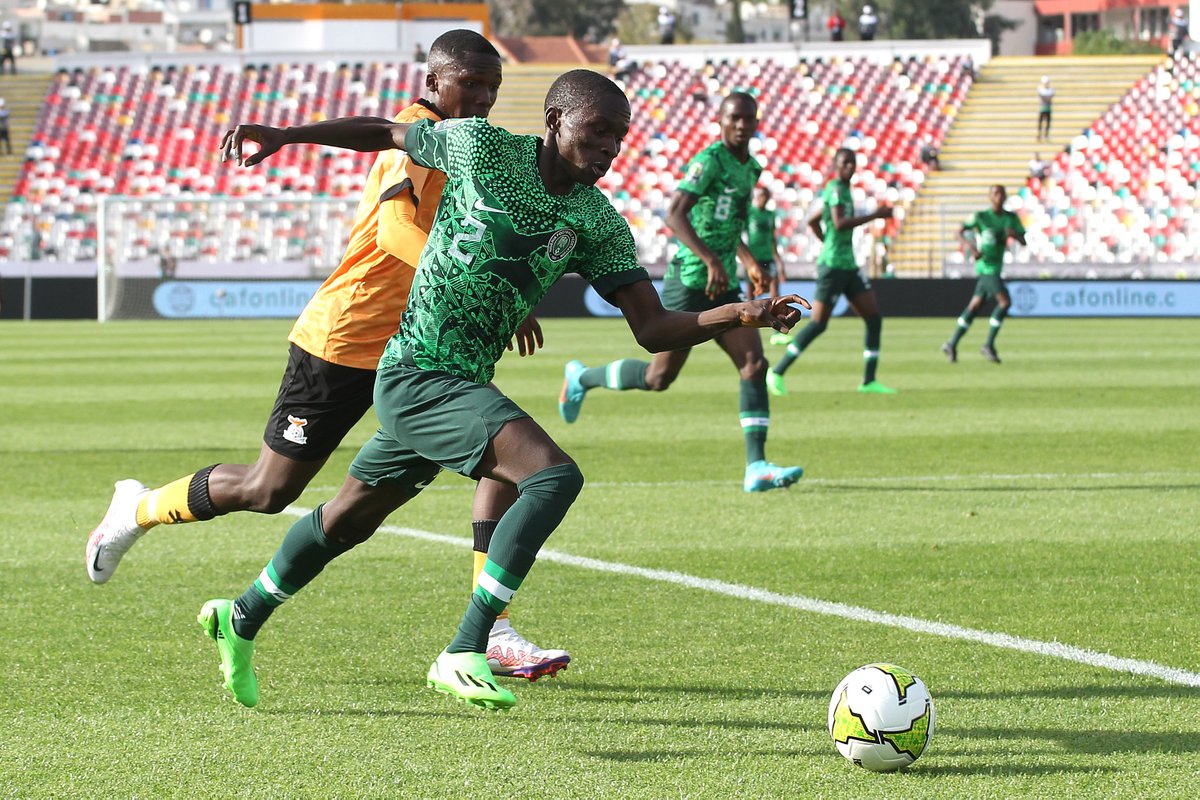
[480, 558]
[167, 505]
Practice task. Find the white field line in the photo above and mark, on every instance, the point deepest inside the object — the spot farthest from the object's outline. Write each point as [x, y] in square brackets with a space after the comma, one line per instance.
[881, 479]
[1053, 649]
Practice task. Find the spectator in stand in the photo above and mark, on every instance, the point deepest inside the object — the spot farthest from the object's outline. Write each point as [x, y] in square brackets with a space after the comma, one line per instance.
[1038, 168]
[1179, 29]
[666, 25]
[4, 127]
[929, 154]
[1045, 100]
[8, 47]
[867, 24]
[836, 25]
[419, 54]
[619, 65]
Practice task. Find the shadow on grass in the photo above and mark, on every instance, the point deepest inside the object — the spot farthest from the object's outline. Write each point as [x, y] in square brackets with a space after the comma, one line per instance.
[590, 692]
[653, 756]
[1090, 741]
[1151, 691]
[926, 770]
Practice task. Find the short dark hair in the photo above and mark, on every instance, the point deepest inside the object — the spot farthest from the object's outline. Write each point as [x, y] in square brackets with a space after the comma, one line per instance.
[578, 88]
[845, 151]
[736, 97]
[452, 47]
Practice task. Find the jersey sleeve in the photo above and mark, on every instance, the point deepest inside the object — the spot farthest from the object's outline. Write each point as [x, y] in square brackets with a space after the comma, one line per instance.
[611, 260]
[700, 173]
[971, 223]
[442, 145]
[1017, 227]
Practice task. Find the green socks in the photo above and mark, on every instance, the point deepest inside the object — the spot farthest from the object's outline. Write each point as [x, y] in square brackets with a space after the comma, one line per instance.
[541, 505]
[755, 413]
[806, 336]
[994, 325]
[303, 554]
[628, 373]
[964, 324]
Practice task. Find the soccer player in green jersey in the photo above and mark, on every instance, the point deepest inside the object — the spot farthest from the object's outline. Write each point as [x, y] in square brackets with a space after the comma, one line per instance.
[516, 214]
[760, 239]
[838, 273]
[985, 236]
[708, 214]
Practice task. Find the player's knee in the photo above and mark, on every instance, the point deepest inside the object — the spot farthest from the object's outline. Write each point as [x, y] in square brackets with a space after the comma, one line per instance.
[562, 481]
[754, 369]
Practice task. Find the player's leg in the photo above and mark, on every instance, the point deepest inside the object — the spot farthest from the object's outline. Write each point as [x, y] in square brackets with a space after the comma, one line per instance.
[383, 477]
[620, 376]
[963, 324]
[744, 347]
[1003, 303]
[867, 306]
[317, 405]
[508, 652]
[828, 289]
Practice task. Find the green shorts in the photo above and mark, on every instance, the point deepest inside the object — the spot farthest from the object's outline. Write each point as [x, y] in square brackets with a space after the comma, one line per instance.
[988, 286]
[833, 283]
[429, 421]
[677, 297]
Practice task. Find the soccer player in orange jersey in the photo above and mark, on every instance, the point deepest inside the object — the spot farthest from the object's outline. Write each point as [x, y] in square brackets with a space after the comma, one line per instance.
[335, 347]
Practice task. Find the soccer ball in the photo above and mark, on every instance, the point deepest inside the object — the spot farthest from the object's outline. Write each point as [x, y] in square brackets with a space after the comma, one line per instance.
[881, 717]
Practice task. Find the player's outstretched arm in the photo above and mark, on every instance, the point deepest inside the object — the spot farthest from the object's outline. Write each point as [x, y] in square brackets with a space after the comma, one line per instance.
[845, 223]
[659, 330]
[364, 134]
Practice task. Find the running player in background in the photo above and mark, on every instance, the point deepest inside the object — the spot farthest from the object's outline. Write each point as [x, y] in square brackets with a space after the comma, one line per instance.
[708, 214]
[761, 241]
[517, 213]
[837, 274]
[985, 235]
[335, 346]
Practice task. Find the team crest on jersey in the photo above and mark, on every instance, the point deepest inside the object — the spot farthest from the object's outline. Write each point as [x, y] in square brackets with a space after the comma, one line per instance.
[295, 430]
[561, 244]
[694, 171]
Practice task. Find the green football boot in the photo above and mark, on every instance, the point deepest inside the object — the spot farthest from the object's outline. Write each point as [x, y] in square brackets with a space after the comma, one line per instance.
[875, 387]
[216, 617]
[775, 384]
[467, 678]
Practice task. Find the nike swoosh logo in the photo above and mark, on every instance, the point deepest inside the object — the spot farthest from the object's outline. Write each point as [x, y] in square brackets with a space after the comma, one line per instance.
[96, 560]
[729, 190]
[479, 206]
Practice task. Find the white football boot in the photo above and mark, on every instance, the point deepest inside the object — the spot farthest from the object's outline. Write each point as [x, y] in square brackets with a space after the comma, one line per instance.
[117, 532]
[511, 655]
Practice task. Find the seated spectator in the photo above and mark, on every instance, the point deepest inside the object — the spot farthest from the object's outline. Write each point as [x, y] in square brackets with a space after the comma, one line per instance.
[619, 65]
[929, 154]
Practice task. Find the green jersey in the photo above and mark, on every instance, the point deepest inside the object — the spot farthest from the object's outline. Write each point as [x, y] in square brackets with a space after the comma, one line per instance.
[837, 250]
[991, 236]
[498, 242]
[723, 185]
[761, 233]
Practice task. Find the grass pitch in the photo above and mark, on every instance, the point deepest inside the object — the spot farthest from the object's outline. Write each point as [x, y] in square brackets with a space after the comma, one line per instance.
[1053, 498]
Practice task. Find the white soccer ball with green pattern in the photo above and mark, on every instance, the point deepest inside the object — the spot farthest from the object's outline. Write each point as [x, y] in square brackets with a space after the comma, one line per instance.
[881, 717]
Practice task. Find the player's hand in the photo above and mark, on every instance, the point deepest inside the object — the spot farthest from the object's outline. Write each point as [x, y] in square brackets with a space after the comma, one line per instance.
[884, 212]
[779, 313]
[268, 139]
[718, 281]
[975, 254]
[528, 337]
[759, 282]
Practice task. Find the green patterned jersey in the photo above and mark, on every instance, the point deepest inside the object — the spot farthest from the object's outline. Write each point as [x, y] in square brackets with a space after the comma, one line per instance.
[497, 244]
[837, 251]
[723, 185]
[761, 233]
[991, 237]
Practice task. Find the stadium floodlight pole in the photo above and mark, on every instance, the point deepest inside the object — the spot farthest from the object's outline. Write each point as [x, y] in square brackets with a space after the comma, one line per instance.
[101, 261]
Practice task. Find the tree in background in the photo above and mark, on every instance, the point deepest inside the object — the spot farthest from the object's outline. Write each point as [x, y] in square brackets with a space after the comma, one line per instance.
[593, 20]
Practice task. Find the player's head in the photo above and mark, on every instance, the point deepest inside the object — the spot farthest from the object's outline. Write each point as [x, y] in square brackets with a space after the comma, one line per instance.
[997, 195]
[463, 74]
[762, 195]
[738, 120]
[587, 118]
[845, 161]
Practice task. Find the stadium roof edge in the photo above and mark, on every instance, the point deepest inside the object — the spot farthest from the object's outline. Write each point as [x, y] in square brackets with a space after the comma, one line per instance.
[696, 55]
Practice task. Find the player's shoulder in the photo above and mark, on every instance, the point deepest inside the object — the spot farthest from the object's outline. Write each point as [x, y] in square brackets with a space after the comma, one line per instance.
[416, 112]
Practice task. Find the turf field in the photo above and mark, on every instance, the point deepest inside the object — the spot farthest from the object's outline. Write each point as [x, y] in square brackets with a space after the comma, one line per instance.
[1025, 536]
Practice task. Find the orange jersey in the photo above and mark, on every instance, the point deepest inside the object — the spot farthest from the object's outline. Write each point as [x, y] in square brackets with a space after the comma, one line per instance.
[358, 307]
